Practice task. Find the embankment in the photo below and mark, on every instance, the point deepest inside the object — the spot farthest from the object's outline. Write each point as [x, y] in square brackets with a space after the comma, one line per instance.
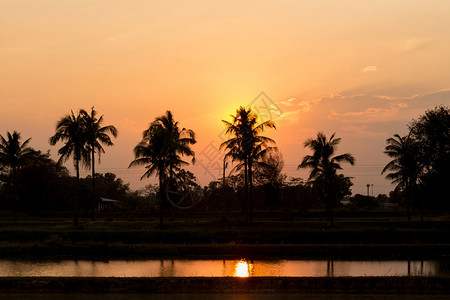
[352, 285]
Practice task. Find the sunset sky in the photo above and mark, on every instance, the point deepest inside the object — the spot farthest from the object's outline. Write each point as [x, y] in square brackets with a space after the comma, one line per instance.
[362, 69]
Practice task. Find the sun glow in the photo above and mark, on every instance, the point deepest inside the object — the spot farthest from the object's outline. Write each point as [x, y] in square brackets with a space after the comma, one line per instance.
[243, 269]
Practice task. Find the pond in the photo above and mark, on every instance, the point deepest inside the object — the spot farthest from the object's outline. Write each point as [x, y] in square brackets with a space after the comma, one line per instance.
[222, 268]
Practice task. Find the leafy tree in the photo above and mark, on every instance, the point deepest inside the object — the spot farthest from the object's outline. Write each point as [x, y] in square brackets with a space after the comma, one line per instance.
[247, 146]
[296, 194]
[44, 185]
[70, 129]
[268, 175]
[160, 150]
[431, 133]
[183, 189]
[323, 167]
[363, 202]
[343, 187]
[405, 168]
[97, 135]
[108, 185]
[269, 169]
[13, 154]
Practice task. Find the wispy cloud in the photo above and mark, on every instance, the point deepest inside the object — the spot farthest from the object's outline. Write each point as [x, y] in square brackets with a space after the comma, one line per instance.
[414, 44]
[363, 114]
[369, 69]
[370, 114]
[289, 102]
[290, 115]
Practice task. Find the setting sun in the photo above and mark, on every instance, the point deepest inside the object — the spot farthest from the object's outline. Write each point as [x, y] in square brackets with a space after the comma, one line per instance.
[243, 269]
[151, 147]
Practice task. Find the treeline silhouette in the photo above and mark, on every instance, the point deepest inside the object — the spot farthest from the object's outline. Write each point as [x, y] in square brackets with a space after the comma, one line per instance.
[31, 182]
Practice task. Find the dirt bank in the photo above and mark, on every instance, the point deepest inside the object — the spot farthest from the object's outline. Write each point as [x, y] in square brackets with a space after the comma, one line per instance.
[355, 285]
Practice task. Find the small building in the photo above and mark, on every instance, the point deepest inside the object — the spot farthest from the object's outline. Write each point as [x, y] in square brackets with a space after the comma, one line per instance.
[345, 202]
[389, 205]
[106, 204]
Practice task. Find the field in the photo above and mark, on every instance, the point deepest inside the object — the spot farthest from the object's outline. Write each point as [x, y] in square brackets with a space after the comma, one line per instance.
[355, 235]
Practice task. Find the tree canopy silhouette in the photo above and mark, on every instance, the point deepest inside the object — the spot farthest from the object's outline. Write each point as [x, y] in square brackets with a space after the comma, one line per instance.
[13, 154]
[405, 168]
[323, 167]
[431, 133]
[71, 130]
[247, 146]
[96, 136]
[161, 149]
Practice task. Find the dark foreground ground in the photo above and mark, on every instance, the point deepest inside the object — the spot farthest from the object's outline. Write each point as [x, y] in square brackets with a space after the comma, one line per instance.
[206, 296]
[220, 285]
[355, 235]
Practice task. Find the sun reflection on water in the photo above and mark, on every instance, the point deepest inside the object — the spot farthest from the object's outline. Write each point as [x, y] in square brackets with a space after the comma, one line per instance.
[243, 269]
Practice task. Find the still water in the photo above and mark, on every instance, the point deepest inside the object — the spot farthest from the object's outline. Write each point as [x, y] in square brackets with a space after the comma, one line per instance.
[222, 268]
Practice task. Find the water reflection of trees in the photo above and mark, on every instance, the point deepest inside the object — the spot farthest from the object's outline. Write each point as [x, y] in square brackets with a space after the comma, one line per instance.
[441, 267]
[330, 268]
[165, 269]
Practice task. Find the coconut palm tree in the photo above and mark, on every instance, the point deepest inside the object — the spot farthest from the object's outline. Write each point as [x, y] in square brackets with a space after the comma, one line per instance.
[71, 130]
[13, 154]
[323, 167]
[247, 146]
[405, 168]
[160, 151]
[96, 136]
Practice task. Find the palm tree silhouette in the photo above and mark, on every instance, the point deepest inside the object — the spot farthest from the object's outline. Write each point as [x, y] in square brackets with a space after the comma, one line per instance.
[247, 146]
[160, 150]
[13, 154]
[405, 165]
[323, 167]
[71, 129]
[96, 136]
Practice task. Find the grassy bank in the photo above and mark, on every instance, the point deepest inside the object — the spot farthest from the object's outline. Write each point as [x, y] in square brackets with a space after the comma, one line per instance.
[280, 285]
[363, 235]
[95, 251]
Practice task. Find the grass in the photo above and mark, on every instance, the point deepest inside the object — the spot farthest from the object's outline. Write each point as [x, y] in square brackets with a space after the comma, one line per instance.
[366, 235]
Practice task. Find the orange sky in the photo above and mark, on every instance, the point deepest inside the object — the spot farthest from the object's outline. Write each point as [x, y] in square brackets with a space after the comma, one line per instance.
[362, 69]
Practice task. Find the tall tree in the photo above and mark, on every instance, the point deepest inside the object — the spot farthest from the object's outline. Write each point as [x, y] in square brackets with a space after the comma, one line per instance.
[431, 132]
[71, 130]
[405, 168]
[268, 175]
[247, 145]
[160, 151]
[13, 154]
[97, 135]
[323, 167]
[44, 185]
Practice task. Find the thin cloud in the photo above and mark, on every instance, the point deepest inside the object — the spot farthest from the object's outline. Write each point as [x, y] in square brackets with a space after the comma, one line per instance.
[414, 44]
[370, 114]
[288, 102]
[369, 69]
[290, 115]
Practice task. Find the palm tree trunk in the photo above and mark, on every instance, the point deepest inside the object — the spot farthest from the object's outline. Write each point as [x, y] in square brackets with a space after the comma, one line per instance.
[16, 194]
[223, 192]
[250, 181]
[331, 210]
[408, 201]
[161, 196]
[93, 200]
[327, 204]
[329, 197]
[246, 190]
[77, 197]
